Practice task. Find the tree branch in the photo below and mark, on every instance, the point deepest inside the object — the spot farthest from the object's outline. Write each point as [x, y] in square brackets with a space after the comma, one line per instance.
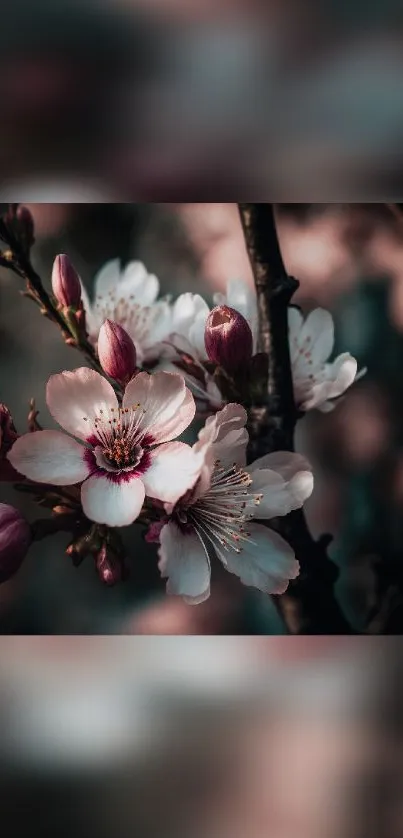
[310, 606]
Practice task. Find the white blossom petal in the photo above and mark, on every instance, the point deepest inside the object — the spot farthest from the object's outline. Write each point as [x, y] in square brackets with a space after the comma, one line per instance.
[184, 562]
[76, 398]
[311, 342]
[189, 315]
[49, 457]
[266, 561]
[279, 497]
[342, 373]
[168, 405]
[136, 282]
[226, 433]
[108, 500]
[295, 322]
[174, 469]
[319, 329]
[107, 278]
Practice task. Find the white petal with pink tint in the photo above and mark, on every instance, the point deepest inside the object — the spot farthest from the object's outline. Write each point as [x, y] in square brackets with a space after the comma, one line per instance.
[167, 404]
[285, 481]
[225, 432]
[315, 381]
[107, 277]
[174, 469]
[184, 562]
[76, 398]
[266, 561]
[137, 283]
[319, 330]
[49, 457]
[116, 504]
[342, 373]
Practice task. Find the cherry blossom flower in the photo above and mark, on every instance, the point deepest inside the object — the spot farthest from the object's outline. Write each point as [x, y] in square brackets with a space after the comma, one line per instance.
[129, 298]
[216, 515]
[317, 382]
[127, 451]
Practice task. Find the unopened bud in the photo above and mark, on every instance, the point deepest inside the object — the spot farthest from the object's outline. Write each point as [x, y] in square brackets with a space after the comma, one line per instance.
[66, 282]
[117, 352]
[15, 539]
[228, 338]
[110, 568]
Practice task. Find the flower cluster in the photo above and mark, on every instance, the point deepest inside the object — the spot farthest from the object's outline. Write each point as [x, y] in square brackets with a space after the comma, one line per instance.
[118, 458]
[188, 336]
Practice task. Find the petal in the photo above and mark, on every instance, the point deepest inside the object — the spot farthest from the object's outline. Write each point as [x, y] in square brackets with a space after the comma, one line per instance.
[319, 328]
[174, 469]
[184, 561]
[343, 372]
[285, 480]
[286, 463]
[295, 322]
[278, 496]
[168, 405]
[107, 278]
[75, 398]
[196, 336]
[227, 434]
[187, 309]
[112, 501]
[161, 323]
[50, 457]
[266, 561]
[136, 282]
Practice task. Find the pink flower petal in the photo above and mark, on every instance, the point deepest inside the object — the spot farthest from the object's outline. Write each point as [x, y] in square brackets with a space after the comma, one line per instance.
[108, 500]
[184, 562]
[75, 398]
[174, 469]
[50, 457]
[266, 561]
[168, 405]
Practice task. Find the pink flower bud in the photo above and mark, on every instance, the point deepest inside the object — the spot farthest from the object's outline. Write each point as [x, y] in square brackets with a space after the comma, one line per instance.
[228, 338]
[109, 567]
[15, 538]
[65, 282]
[117, 352]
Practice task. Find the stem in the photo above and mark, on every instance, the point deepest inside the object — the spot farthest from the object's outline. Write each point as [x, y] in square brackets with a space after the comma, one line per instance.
[273, 416]
[21, 264]
[310, 606]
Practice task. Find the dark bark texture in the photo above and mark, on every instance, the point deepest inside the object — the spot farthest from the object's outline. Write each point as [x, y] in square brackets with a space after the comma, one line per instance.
[310, 605]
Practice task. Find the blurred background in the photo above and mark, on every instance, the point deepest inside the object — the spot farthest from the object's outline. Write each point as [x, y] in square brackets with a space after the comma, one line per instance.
[164, 99]
[200, 738]
[349, 258]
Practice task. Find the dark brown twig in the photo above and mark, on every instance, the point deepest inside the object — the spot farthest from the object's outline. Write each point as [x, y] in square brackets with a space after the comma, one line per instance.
[18, 260]
[310, 605]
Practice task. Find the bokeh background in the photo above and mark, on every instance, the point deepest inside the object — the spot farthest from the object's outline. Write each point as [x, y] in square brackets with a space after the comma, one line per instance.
[200, 737]
[173, 99]
[349, 258]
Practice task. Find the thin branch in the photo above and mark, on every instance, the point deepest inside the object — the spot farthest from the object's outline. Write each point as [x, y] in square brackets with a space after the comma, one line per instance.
[19, 261]
[310, 605]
